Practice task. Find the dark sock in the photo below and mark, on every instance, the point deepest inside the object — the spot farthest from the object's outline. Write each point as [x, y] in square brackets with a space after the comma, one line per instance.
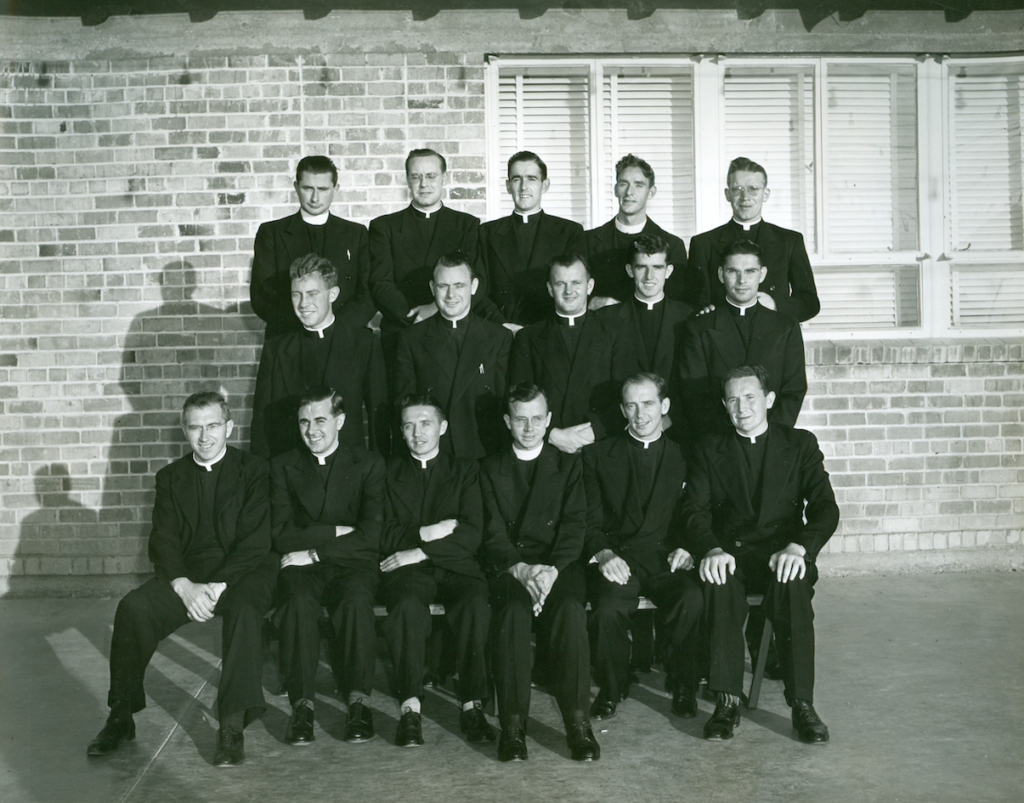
[235, 721]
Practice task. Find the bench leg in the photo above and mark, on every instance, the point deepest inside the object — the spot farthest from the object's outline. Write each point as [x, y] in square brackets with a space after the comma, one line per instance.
[762, 658]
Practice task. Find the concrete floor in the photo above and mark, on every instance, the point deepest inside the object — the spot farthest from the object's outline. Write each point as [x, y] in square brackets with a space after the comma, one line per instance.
[920, 679]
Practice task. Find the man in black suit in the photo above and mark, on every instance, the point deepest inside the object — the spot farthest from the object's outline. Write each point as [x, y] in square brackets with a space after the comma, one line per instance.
[460, 359]
[535, 516]
[311, 230]
[608, 246]
[210, 546]
[517, 249]
[758, 508]
[634, 546]
[327, 507]
[788, 283]
[569, 354]
[432, 531]
[740, 332]
[325, 351]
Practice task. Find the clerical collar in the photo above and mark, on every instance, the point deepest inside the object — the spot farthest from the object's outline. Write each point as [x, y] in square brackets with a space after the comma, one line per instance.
[323, 327]
[455, 321]
[315, 220]
[527, 454]
[650, 304]
[747, 225]
[322, 458]
[630, 228]
[763, 430]
[569, 320]
[426, 213]
[524, 218]
[741, 311]
[209, 464]
[427, 458]
[646, 443]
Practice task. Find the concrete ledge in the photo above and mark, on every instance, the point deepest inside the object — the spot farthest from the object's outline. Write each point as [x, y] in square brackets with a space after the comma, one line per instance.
[843, 564]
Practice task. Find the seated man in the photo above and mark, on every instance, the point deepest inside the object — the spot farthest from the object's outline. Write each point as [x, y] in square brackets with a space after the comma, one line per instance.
[210, 546]
[633, 484]
[432, 530]
[762, 493]
[535, 513]
[327, 504]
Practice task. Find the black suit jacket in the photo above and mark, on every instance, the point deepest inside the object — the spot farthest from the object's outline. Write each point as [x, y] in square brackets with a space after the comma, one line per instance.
[789, 281]
[517, 283]
[305, 513]
[578, 391]
[242, 516]
[630, 356]
[712, 347]
[355, 369]
[453, 492]
[280, 242]
[608, 263]
[470, 388]
[616, 519]
[554, 521]
[720, 510]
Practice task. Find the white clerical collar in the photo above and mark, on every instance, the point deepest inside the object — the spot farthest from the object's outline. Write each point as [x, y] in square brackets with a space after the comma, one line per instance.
[322, 458]
[455, 321]
[426, 458]
[527, 454]
[209, 464]
[525, 216]
[744, 308]
[747, 224]
[571, 319]
[429, 211]
[650, 304]
[323, 326]
[753, 437]
[315, 220]
[630, 228]
[647, 443]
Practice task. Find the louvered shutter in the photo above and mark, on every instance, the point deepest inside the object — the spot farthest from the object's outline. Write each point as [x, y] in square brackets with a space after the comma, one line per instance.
[867, 297]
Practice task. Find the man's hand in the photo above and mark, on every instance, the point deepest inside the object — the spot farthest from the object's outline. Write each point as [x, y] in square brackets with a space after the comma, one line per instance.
[705, 311]
[717, 566]
[422, 312]
[614, 568]
[789, 563]
[435, 532]
[200, 598]
[537, 579]
[512, 327]
[343, 529]
[300, 558]
[407, 557]
[680, 559]
[765, 300]
[572, 439]
[596, 302]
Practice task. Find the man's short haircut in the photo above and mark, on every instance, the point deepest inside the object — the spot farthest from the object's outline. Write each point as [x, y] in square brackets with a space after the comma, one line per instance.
[206, 398]
[319, 393]
[629, 160]
[454, 259]
[420, 400]
[646, 376]
[528, 156]
[316, 165]
[418, 153]
[743, 247]
[310, 264]
[648, 244]
[567, 261]
[525, 392]
[741, 164]
[743, 371]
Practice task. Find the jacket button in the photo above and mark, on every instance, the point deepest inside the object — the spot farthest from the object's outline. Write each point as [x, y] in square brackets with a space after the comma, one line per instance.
[738, 543]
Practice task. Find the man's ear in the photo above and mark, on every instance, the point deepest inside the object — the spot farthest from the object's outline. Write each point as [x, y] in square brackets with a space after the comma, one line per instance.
[473, 286]
[770, 399]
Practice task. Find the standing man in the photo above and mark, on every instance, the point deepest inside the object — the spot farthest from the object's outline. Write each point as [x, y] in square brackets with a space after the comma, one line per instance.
[517, 249]
[210, 547]
[608, 246]
[327, 508]
[634, 546]
[788, 283]
[758, 508]
[311, 230]
[324, 352]
[535, 513]
[432, 532]
[460, 359]
[569, 354]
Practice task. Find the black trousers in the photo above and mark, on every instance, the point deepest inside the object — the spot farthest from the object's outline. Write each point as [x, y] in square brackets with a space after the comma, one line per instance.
[408, 593]
[561, 639]
[679, 599]
[787, 605]
[151, 612]
[348, 594]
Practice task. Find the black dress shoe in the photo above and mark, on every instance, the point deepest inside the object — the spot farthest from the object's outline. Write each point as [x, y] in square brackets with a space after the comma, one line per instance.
[300, 726]
[603, 706]
[512, 745]
[582, 744]
[684, 702]
[725, 718]
[410, 730]
[109, 739]
[475, 725]
[230, 748]
[808, 724]
[359, 727]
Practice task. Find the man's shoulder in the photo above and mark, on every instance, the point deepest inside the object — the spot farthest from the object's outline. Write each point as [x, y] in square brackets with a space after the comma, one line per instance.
[342, 224]
[603, 231]
[247, 461]
[490, 329]
[464, 219]
[389, 219]
[679, 310]
[499, 224]
[361, 457]
[801, 438]
[605, 448]
[781, 232]
[290, 459]
[708, 236]
[650, 227]
[278, 223]
[561, 224]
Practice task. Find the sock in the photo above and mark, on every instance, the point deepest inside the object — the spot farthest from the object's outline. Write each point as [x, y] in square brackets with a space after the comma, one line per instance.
[303, 701]
[412, 704]
[724, 698]
[471, 705]
[235, 721]
[358, 697]
[120, 711]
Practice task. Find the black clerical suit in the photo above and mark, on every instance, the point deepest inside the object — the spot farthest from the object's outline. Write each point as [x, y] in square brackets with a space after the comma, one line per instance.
[535, 512]
[571, 358]
[516, 252]
[345, 358]
[789, 280]
[610, 250]
[280, 242]
[748, 498]
[447, 488]
[308, 500]
[208, 526]
[464, 367]
[632, 507]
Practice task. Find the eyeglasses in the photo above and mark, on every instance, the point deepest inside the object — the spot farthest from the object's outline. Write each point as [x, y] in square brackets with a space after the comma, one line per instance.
[746, 190]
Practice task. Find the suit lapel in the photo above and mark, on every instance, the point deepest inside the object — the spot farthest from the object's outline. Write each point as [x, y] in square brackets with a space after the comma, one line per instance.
[632, 511]
[726, 340]
[475, 348]
[504, 487]
[439, 346]
[404, 491]
[229, 491]
[336, 245]
[579, 371]
[543, 486]
[441, 240]
[556, 361]
[185, 494]
[664, 483]
[727, 463]
[295, 238]
[664, 350]
[506, 248]
[308, 488]
[779, 462]
[762, 340]
[408, 239]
